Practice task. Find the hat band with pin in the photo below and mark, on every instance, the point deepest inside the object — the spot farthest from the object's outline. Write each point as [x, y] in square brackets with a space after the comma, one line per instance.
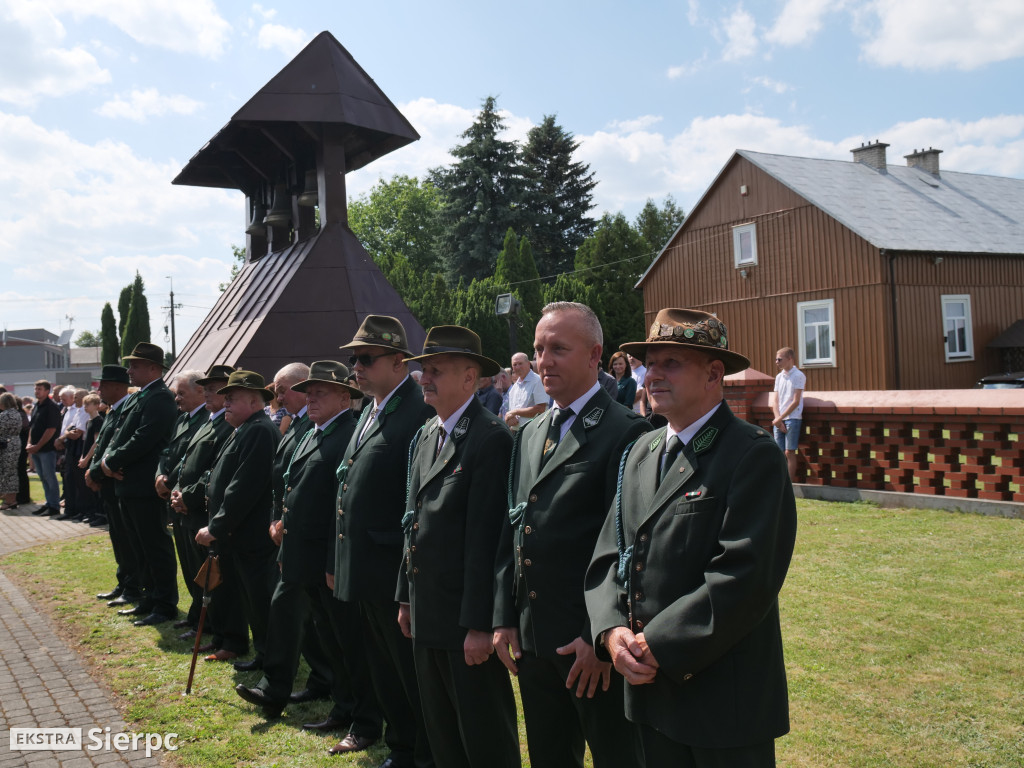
[693, 329]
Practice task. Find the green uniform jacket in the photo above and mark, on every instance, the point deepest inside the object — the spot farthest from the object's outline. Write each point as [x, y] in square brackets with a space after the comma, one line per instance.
[170, 458]
[708, 551]
[296, 431]
[458, 509]
[558, 513]
[143, 432]
[371, 498]
[240, 497]
[193, 473]
[308, 509]
[107, 431]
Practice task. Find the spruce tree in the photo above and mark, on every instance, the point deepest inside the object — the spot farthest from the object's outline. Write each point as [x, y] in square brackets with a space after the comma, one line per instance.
[108, 336]
[562, 196]
[484, 192]
[657, 225]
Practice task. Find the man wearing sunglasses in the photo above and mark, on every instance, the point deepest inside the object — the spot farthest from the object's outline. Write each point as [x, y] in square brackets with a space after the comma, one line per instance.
[369, 538]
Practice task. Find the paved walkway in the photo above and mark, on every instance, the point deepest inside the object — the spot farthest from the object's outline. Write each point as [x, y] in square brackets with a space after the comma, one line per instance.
[43, 683]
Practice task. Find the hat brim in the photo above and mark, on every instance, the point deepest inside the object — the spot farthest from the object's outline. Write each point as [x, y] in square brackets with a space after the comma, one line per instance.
[302, 386]
[148, 360]
[267, 394]
[488, 367]
[209, 380]
[356, 343]
[733, 361]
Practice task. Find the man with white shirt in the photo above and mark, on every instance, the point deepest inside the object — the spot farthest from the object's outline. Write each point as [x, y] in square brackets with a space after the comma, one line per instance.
[526, 397]
[456, 513]
[562, 480]
[788, 406]
[683, 588]
[368, 533]
[639, 373]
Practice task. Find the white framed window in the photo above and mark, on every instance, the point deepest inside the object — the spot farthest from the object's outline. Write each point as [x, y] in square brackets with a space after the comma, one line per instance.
[816, 321]
[956, 327]
[744, 245]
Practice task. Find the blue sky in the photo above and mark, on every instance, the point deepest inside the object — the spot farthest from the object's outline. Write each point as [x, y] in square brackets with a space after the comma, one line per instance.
[102, 102]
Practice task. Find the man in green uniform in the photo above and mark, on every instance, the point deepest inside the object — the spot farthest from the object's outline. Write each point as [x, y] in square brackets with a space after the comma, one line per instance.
[240, 502]
[114, 391]
[188, 395]
[683, 588]
[368, 534]
[562, 481]
[306, 529]
[456, 512]
[188, 491]
[131, 459]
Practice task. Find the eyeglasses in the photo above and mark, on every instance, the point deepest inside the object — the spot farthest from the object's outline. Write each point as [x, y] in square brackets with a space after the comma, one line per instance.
[778, 359]
[366, 360]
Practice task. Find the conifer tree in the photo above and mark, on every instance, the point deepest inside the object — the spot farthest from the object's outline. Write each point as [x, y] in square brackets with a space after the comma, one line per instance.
[136, 329]
[108, 337]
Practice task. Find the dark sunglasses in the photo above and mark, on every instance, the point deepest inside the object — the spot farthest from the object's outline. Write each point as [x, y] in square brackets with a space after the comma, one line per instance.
[366, 360]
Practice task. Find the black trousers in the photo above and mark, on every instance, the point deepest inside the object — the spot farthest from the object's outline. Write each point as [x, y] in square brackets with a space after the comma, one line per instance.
[243, 599]
[24, 495]
[120, 542]
[190, 559]
[154, 553]
[393, 670]
[294, 609]
[662, 752]
[469, 711]
[558, 723]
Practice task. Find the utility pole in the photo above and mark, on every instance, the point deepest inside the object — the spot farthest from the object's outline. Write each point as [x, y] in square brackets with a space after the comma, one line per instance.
[172, 307]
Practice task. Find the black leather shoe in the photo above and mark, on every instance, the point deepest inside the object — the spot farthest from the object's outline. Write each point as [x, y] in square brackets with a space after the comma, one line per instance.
[328, 724]
[111, 595]
[151, 619]
[301, 697]
[98, 522]
[248, 666]
[41, 511]
[188, 635]
[138, 610]
[258, 697]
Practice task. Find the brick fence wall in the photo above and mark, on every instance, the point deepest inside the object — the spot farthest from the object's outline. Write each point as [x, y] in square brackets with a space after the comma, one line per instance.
[966, 443]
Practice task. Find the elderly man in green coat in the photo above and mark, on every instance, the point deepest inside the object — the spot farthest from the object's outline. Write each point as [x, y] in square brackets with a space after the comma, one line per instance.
[683, 588]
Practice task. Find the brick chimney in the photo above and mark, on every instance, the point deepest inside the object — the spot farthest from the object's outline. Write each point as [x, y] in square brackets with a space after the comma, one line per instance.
[872, 155]
[925, 159]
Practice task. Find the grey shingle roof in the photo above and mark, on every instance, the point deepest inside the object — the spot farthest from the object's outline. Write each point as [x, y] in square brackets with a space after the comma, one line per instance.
[908, 209]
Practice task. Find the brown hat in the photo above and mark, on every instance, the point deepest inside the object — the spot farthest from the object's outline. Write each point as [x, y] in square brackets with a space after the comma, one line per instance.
[247, 380]
[148, 352]
[329, 372]
[380, 331]
[692, 329]
[216, 373]
[456, 340]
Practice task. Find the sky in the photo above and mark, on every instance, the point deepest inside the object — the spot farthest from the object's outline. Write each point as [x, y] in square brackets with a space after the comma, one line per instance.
[103, 102]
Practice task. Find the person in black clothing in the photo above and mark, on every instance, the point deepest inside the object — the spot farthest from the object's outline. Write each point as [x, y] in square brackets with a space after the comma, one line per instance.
[43, 431]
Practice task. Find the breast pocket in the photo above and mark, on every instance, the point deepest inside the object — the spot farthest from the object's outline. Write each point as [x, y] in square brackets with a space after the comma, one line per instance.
[698, 506]
[572, 469]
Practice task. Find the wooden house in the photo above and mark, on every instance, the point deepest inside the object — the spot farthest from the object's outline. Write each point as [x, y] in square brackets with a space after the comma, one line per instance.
[879, 276]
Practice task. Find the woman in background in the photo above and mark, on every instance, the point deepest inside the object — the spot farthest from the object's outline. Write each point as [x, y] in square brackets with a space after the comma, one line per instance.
[10, 449]
[618, 367]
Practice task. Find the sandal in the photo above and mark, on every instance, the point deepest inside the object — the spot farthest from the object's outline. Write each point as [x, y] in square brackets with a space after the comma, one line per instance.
[7, 507]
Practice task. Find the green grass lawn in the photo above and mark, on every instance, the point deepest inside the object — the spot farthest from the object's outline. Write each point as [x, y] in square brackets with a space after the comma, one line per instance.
[903, 629]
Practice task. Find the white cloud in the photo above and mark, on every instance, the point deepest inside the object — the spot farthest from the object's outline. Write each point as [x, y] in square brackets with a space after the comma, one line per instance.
[772, 85]
[101, 212]
[285, 39]
[799, 21]
[33, 65]
[184, 26]
[920, 34]
[140, 105]
[264, 13]
[685, 70]
[741, 37]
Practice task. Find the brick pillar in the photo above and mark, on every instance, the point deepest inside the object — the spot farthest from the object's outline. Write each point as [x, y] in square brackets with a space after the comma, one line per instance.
[743, 389]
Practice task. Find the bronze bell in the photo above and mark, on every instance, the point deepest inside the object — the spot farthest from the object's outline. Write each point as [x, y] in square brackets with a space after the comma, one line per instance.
[257, 212]
[280, 214]
[310, 195]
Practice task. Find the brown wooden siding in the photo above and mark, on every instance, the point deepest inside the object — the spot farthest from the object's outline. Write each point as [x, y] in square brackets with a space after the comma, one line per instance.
[804, 254]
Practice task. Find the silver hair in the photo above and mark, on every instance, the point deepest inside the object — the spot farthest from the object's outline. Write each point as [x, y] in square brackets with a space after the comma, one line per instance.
[190, 376]
[591, 325]
[294, 372]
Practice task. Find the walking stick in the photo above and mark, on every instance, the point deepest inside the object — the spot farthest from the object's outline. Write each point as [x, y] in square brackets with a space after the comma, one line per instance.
[208, 577]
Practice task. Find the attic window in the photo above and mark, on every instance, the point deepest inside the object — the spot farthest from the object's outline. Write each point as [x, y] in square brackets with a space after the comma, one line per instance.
[744, 245]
